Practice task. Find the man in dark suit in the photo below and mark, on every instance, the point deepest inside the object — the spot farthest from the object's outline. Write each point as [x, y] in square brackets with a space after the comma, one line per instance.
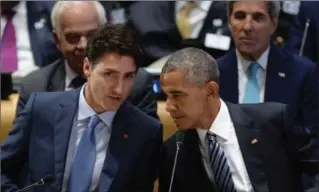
[257, 71]
[227, 147]
[308, 15]
[72, 25]
[159, 26]
[90, 138]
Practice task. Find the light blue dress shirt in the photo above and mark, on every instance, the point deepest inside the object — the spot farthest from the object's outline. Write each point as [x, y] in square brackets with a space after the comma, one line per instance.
[102, 134]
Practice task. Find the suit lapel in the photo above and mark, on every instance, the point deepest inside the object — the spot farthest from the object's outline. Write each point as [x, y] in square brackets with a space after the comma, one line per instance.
[57, 80]
[229, 77]
[277, 76]
[117, 148]
[63, 121]
[247, 132]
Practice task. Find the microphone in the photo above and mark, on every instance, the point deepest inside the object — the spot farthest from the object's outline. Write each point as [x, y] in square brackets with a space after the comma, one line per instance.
[304, 37]
[179, 142]
[48, 179]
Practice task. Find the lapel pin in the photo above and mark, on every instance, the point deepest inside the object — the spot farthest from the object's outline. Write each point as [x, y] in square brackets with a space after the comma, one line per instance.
[254, 141]
[40, 23]
[281, 74]
[125, 136]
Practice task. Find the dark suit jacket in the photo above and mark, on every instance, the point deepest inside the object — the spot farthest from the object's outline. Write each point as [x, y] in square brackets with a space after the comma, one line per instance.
[299, 88]
[52, 78]
[308, 10]
[274, 163]
[37, 146]
[42, 43]
[154, 22]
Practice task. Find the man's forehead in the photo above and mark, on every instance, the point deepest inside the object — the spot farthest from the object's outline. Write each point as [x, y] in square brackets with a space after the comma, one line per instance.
[250, 6]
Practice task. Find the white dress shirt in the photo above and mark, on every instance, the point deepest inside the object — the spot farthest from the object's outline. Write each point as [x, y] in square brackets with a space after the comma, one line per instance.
[226, 136]
[69, 76]
[243, 65]
[24, 51]
[102, 134]
[197, 15]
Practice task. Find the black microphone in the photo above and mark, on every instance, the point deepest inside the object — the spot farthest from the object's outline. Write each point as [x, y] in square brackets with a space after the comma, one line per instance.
[48, 179]
[304, 37]
[179, 142]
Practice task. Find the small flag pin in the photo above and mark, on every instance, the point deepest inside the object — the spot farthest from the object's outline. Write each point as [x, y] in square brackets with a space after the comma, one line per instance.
[254, 141]
[281, 74]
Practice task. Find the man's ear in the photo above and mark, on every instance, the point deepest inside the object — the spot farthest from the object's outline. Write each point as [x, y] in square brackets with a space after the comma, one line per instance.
[212, 89]
[56, 39]
[86, 68]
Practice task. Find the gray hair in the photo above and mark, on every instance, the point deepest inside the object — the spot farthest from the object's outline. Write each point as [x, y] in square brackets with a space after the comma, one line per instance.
[60, 5]
[273, 8]
[199, 66]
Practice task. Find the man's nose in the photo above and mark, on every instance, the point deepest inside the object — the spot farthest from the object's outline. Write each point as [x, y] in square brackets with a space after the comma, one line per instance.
[82, 43]
[248, 24]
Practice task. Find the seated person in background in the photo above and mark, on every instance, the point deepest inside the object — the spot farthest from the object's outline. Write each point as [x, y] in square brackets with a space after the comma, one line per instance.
[308, 11]
[258, 71]
[228, 147]
[165, 27]
[91, 138]
[72, 23]
[26, 40]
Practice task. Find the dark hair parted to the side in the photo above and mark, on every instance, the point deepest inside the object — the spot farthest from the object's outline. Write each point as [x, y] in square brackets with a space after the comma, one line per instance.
[113, 38]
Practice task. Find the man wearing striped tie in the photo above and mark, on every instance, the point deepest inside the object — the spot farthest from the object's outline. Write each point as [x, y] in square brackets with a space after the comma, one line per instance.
[224, 147]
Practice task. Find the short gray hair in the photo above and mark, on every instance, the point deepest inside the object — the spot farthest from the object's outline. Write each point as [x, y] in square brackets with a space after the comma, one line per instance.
[199, 66]
[273, 8]
[60, 5]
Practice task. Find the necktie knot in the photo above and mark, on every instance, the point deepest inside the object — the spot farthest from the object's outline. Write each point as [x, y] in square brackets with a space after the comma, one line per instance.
[211, 136]
[78, 81]
[8, 14]
[94, 120]
[253, 68]
[189, 5]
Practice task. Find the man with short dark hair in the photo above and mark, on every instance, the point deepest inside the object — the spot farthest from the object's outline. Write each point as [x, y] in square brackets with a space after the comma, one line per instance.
[225, 147]
[73, 22]
[90, 138]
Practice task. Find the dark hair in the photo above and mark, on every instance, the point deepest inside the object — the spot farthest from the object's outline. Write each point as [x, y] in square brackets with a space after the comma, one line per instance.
[113, 38]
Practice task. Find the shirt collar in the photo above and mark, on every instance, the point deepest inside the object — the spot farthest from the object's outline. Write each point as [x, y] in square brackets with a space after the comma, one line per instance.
[220, 126]
[244, 64]
[20, 7]
[85, 111]
[69, 74]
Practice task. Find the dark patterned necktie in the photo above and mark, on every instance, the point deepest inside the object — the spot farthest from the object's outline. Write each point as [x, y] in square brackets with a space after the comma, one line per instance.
[219, 164]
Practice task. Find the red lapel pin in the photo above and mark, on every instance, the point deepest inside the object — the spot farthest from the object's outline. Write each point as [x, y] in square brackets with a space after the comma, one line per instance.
[125, 136]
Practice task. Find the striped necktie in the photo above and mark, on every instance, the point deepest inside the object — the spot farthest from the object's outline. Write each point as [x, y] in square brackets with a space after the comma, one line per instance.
[219, 164]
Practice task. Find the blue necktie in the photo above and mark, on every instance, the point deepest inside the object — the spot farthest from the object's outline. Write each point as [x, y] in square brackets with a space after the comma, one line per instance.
[252, 88]
[220, 167]
[84, 160]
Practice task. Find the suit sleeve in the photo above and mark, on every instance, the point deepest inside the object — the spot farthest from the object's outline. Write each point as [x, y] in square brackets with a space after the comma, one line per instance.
[149, 170]
[301, 144]
[309, 98]
[14, 151]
